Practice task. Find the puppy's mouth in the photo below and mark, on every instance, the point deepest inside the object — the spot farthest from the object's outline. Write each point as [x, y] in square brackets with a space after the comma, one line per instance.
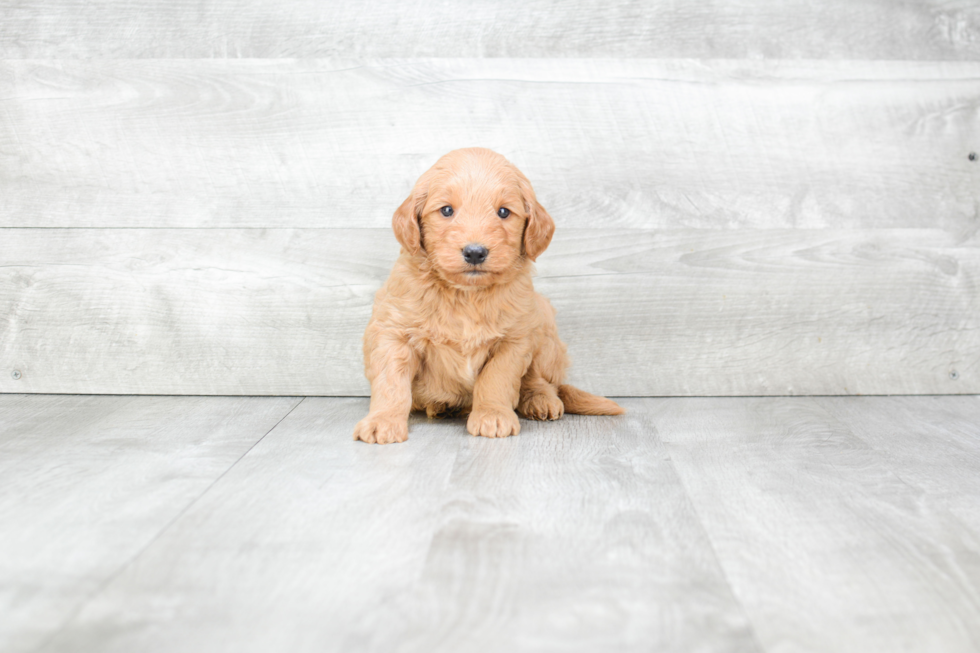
[475, 278]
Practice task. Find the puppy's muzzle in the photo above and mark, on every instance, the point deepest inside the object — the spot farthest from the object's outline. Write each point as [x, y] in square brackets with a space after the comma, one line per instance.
[475, 254]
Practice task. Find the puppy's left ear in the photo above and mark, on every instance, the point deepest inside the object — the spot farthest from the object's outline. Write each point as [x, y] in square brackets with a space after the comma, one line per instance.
[540, 227]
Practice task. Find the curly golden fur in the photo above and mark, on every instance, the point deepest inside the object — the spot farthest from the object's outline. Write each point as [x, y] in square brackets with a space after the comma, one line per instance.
[457, 331]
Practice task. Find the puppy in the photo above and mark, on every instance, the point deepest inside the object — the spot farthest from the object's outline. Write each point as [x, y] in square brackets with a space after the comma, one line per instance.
[458, 327]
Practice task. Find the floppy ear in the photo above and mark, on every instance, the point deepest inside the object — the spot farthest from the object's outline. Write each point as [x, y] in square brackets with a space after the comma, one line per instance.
[540, 227]
[405, 222]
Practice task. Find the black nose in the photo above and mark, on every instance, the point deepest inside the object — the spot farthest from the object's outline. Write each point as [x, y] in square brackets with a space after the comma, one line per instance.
[475, 254]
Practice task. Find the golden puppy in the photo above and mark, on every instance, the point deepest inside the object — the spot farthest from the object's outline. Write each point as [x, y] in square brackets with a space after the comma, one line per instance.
[458, 327]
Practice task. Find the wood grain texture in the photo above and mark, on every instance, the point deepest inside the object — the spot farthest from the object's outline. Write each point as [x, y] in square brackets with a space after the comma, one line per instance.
[574, 536]
[825, 546]
[617, 143]
[931, 443]
[86, 483]
[837, 29]
[684, 312]
[752, 524]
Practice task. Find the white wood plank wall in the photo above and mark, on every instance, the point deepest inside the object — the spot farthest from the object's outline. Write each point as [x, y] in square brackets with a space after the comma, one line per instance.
[752, 198]
[789, 29]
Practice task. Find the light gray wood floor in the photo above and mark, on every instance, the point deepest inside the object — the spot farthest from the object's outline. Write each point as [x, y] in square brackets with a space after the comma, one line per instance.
[256, 524]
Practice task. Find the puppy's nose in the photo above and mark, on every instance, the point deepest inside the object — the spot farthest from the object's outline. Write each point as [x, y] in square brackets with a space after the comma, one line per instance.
[475, 254]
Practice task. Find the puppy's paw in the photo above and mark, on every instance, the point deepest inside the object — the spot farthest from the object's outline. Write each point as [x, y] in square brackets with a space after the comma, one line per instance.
[493, 423]
[381, 430]
[541, 406]
[442, 410]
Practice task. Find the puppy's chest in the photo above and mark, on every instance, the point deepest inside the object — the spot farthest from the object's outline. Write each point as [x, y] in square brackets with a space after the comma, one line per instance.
[450, 368]
[455, 351]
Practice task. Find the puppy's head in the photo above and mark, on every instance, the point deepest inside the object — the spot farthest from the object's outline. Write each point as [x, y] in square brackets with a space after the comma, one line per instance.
[474, 217]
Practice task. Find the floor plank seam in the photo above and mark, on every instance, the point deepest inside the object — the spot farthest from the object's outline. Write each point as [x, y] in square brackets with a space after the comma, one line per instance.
[108, 581]
[711, 545]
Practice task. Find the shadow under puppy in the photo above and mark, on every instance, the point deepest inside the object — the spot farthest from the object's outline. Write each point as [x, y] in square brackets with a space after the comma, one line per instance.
[458, 327]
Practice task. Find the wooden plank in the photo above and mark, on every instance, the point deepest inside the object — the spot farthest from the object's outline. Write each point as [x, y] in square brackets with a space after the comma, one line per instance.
[825, 547]
[311, 530]
[86, 483]
[616, 143]
[867, 29]
[932, 443]
[687, 312]
[574, 536]
[779, 312]
[189, 311]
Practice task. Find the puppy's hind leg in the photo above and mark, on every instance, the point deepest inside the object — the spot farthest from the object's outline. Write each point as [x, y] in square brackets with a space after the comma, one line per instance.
[539, 399]
[539, 386]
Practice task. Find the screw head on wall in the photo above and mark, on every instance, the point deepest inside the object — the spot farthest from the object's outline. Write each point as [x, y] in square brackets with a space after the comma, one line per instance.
[16, 375]
[954, 375]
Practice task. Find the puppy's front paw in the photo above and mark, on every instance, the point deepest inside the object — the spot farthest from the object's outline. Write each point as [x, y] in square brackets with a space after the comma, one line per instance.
[493, 423]
[381, 430]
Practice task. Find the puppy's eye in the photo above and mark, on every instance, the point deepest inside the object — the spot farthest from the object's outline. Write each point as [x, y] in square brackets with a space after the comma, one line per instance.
[447, 211]
[503, 213]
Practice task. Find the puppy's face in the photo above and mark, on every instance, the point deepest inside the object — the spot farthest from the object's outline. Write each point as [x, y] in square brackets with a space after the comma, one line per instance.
[472, 223]
[475, 219]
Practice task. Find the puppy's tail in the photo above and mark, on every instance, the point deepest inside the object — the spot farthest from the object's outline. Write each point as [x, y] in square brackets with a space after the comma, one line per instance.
[580, 402]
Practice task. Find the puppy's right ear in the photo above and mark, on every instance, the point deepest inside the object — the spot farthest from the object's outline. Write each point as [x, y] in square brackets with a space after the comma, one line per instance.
[405, 222]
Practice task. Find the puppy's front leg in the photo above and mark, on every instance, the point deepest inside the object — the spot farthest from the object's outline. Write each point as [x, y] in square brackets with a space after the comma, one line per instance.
[496, 392]
[391, 369]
